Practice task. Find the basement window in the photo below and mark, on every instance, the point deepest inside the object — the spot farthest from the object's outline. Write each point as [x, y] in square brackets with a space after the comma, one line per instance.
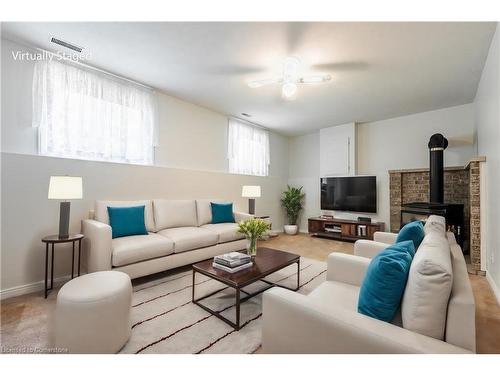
[82, 114]
[248, 149]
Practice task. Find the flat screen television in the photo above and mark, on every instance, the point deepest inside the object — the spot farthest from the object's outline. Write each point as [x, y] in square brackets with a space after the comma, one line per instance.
[355, 193]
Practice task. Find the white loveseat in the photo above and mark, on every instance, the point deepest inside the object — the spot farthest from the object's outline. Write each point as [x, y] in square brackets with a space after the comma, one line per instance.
[179, 233]
[327, 321]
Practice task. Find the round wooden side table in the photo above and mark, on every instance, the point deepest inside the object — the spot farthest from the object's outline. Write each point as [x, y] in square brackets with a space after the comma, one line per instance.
[52, 240]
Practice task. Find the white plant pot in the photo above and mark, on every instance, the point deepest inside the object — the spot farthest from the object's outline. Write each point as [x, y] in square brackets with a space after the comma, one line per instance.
[291, 229]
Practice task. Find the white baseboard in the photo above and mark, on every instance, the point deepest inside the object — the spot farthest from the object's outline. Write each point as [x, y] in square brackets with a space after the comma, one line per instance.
[30, 288]
[494, 287]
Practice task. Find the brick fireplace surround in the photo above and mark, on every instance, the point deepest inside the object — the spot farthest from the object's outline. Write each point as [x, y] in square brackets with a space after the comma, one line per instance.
[461, 185]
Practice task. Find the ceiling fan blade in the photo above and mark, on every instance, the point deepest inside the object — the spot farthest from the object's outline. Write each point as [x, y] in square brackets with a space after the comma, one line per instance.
[315, 79]
[264, 82]
[342, 66]
[236, 69]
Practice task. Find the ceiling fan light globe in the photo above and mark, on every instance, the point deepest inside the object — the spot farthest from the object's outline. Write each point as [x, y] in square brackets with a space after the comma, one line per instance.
[289, 90]
[291, 69]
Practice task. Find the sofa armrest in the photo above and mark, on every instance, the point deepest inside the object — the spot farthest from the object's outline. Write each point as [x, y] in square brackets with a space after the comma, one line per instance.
[346, 268]
[97, 245]
[242, 216]
[385, 237]
[292, 323]
[367, 248]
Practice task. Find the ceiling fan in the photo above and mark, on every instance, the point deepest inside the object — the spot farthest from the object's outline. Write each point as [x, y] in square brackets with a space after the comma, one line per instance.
[290, 79]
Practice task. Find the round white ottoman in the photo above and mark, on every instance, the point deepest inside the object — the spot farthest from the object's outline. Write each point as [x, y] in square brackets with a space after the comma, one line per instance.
[93, 313]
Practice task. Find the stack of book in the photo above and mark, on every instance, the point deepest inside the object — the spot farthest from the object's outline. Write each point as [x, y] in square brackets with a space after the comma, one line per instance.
[232, 262]
[362, 230]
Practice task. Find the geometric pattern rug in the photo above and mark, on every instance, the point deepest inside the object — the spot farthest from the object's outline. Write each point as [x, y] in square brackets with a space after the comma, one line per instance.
[164, 320]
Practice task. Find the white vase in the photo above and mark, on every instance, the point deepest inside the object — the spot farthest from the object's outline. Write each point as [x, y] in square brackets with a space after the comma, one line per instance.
[291, 229]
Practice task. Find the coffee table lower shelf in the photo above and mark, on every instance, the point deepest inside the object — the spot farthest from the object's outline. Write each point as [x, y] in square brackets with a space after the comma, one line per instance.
[238, 290]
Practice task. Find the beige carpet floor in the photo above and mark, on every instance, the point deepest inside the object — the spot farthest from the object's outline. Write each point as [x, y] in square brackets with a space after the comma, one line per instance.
[164, 320]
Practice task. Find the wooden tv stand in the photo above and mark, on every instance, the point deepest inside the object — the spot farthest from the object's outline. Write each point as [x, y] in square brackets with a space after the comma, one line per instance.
[345, 230]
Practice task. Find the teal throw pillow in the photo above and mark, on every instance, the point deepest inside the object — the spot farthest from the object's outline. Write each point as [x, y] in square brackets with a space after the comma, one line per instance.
[385, 281]
[127, 221]
[222, 213]
[412, 231]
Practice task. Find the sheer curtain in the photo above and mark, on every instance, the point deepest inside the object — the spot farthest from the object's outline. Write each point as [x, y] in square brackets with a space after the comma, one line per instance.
[248, 149]
[87, 115]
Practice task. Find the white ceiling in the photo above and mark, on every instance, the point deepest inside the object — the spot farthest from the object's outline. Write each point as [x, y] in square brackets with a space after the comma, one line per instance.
[380, 70]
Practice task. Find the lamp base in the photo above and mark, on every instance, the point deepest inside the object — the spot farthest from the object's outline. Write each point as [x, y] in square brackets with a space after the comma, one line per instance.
[251, 206]
[64, 209]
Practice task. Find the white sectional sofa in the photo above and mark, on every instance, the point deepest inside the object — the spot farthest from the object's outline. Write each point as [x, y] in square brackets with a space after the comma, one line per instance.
[327, 320]
[180, 233]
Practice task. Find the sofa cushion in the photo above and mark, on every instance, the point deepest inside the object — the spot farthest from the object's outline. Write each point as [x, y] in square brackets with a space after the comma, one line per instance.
[174, 213]
[126, 221]
[435, 224]
[330, 295]
[222, 213]
[385, 280]
[190, 238]
[226, 231]
[413, 231]
[345, 296]
[133, 249]
[425, 300]
[101, 211]
[204, 210]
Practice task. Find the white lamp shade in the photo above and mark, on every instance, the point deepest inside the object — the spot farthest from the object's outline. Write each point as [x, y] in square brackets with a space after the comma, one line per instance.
[65, 187]
[249, 191]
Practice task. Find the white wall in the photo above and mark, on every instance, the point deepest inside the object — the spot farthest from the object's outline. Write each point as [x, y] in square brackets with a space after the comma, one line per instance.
[190, 136]
[397, 143]
[191, 163]
[304, 171]
[193, 137]
[337, 150]
[17, 133]
[487, 118]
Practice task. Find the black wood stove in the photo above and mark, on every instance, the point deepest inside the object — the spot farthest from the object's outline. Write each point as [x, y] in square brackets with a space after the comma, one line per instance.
[453, 213]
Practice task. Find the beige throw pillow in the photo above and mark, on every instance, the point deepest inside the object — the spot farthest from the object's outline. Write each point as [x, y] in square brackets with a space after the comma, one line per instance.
[425, 300]
[435, 224]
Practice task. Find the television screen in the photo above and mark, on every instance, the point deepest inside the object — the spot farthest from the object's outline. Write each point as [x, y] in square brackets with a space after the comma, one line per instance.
[357, 193]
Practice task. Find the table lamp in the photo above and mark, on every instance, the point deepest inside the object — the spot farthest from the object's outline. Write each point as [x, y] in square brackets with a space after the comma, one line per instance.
[65, 188]
[251, 192]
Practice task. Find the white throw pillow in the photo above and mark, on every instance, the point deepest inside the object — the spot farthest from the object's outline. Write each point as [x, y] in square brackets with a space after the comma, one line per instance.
[425, 300]
[174, 213]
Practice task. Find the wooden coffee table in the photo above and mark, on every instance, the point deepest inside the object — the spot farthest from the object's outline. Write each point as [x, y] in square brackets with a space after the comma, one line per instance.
[266, 262]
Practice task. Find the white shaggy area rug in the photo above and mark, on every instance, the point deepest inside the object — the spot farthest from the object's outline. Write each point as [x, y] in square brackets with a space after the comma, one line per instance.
[164, 320]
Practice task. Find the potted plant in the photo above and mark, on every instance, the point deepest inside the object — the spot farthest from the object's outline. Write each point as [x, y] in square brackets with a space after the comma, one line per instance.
[291, 200]
[253, 229]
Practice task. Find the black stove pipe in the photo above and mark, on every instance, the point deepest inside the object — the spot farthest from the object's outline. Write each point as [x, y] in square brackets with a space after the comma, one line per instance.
[437, 145]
